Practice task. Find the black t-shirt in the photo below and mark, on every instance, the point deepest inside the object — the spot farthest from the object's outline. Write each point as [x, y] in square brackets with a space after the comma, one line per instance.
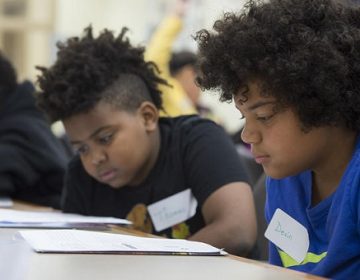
[195, 153]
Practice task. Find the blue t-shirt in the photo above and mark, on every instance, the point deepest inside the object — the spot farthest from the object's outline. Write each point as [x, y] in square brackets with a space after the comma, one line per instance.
[333, 225]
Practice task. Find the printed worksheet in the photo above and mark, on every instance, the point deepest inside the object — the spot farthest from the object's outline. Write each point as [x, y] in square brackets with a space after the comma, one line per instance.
[81, 241]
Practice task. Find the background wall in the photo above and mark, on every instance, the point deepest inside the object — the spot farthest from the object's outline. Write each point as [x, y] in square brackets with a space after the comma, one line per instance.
[48, 21]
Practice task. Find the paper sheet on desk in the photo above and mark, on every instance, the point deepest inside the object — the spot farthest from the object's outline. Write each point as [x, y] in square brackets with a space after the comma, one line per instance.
[80, 241]
[6, 202]
[14, 218]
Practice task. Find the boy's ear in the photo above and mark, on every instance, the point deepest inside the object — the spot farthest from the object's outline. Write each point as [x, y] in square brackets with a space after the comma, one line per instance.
[149, 114]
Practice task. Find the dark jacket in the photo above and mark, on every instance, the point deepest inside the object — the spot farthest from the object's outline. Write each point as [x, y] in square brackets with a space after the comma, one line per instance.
[32, 160]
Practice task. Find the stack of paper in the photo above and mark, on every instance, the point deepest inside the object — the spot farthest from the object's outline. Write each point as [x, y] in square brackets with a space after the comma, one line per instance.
[80, 241]
[16, 218]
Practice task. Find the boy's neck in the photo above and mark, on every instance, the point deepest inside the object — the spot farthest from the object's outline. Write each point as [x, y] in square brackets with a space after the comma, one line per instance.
[153, 158]
[327, 178]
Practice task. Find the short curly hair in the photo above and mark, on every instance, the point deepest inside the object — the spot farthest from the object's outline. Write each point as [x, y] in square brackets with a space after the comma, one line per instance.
[89, 69]
[306, 53]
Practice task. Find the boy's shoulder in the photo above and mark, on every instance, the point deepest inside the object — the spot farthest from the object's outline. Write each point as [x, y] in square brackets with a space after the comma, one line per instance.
[187, 123]
[190, 129]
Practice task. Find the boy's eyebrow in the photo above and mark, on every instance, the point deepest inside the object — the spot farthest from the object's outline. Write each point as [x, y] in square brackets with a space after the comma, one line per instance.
[259, 104]
[92, 134]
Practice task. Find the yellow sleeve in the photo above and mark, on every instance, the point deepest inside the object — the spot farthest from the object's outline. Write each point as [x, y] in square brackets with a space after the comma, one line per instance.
[175, 99]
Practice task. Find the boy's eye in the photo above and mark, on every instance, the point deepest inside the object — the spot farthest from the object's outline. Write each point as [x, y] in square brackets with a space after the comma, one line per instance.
[106, 139]
[264, 118]
[81, 150]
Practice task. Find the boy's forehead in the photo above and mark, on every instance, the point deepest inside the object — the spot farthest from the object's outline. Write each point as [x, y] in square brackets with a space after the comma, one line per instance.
[84, 126]
[252, 96]
[249, 91]
[103, 114]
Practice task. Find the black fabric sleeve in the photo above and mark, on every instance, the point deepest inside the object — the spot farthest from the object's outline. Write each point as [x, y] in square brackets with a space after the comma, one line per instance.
[33, 163]
[20, 179]
[15, 171]
[211, 160]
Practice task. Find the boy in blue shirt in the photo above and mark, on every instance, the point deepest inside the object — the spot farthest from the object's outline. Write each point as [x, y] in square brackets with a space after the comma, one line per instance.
[292, 69]
[177, 177]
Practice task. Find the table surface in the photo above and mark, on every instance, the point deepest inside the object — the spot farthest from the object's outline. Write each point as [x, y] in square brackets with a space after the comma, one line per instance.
[19, 261]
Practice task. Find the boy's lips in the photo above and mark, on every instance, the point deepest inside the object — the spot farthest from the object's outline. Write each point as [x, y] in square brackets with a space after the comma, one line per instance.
[107, 175]
[259, 156]
[261, 159]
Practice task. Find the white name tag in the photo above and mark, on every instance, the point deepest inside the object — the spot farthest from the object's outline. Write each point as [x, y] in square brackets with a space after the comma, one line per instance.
[289, 235]
[173, 210]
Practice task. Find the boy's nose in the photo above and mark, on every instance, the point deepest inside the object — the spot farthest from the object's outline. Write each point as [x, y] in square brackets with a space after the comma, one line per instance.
[250, 135]
[98, 156]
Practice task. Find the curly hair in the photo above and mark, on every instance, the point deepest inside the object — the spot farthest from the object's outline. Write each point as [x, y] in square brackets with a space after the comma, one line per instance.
[8, 80]
[305, 53]
[88, 70]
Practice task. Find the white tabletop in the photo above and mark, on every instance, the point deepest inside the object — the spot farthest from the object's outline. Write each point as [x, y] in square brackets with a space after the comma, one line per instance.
[19, 261]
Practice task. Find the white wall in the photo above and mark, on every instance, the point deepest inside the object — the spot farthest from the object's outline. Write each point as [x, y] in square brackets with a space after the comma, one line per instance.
[212, 10]
[73, 16]
[141, 16]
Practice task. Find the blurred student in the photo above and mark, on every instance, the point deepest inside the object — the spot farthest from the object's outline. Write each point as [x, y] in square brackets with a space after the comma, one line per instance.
[32, 162]
[183, 69]
[178, 68]
[178, 177]
[292, 68]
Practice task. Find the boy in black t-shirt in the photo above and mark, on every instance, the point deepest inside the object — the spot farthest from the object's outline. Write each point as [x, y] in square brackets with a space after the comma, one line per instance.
[176, 177]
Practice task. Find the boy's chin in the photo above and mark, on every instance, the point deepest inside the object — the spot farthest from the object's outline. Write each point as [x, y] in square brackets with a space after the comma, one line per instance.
[277, 174]
[116, 185]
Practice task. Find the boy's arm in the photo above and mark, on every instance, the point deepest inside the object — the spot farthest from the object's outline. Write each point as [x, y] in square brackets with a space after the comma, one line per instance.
[160, 46]
[175, 100]
[230, 219]
[13, 168]
[161, 43]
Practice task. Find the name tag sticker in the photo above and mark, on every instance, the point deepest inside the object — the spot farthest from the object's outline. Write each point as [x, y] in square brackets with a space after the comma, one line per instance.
[172, 210]
[289, 235]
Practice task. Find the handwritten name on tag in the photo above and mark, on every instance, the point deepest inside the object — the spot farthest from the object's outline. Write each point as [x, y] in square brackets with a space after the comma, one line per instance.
[289, 235]
[173, 210]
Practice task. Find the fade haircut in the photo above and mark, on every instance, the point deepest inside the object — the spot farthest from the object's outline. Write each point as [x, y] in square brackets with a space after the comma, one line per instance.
[91, 69]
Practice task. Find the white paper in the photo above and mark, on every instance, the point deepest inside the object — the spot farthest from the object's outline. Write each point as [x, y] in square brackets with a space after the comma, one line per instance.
[30, 217]
[289, 235]
[173, 210]
[6, 202]
[91, 242]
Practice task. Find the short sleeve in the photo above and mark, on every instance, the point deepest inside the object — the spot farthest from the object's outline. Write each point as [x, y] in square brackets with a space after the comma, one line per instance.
[210, 159]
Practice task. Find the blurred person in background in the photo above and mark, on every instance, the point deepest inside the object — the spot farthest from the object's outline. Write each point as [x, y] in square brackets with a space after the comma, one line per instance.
[178, 68]
[32, 159]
